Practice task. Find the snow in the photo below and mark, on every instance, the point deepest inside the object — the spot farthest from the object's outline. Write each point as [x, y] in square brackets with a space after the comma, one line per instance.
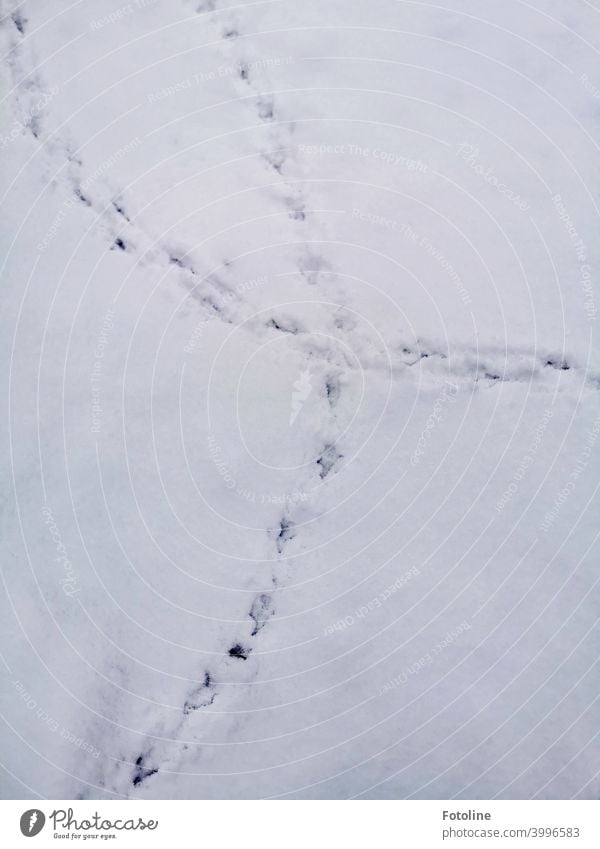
[301, 399]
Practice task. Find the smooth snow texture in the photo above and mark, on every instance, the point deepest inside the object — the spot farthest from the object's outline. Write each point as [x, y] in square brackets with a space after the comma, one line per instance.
[302, 413]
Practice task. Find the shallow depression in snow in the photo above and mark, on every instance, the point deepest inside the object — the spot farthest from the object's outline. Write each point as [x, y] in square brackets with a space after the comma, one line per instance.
[301, 399]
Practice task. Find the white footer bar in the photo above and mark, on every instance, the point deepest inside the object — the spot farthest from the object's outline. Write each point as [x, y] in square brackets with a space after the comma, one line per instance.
[305, 824]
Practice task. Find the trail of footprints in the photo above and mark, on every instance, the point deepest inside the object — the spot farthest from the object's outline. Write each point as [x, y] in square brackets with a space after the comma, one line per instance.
[30, 95]
[262, 609]
[489, 367]
[481, 367]
[279, 131]
[203, 696]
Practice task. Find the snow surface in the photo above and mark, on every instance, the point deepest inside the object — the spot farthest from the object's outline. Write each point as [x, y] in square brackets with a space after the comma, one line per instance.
[301, 399]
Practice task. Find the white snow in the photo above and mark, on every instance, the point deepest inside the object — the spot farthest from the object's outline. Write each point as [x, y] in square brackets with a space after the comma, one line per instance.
[301, 399]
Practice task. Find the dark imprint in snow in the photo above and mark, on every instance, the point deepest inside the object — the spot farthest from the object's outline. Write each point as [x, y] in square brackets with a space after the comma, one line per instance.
[141, 772]
[286, 533]
[261, 611]
[203, 696]
[239, 651]
[327, 460]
